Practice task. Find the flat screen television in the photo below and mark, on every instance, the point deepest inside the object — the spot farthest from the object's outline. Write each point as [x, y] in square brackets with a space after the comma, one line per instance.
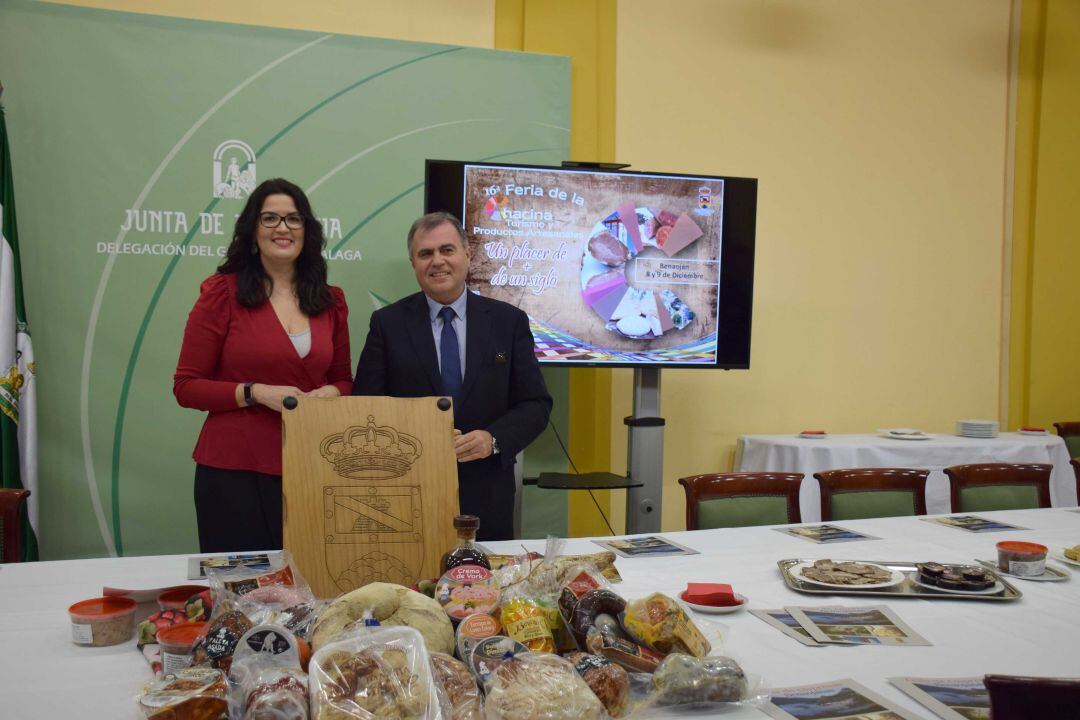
[613, 268]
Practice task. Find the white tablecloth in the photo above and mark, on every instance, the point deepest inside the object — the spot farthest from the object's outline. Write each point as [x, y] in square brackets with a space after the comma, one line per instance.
[790, 453]
[43, 675]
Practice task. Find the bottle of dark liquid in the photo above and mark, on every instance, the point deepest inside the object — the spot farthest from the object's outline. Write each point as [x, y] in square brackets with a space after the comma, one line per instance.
[465, 552]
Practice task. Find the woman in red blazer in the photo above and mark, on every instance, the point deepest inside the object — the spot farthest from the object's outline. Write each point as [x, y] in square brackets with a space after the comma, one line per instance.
[265, 326]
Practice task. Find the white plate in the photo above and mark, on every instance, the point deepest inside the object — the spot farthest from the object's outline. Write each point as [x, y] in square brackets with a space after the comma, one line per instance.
[896, 579]
[1059, 555]
[907, 435]
[813, 436]
[1032, 432]
[716, 609]
[995, 588]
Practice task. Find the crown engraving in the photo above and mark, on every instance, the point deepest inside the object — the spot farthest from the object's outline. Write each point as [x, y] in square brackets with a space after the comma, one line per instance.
[371, 452]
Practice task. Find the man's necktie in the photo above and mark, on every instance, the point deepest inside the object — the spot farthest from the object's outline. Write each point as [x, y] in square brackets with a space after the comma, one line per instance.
[448, 350]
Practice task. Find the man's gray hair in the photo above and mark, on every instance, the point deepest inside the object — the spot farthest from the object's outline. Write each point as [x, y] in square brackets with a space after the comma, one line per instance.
[429, 222]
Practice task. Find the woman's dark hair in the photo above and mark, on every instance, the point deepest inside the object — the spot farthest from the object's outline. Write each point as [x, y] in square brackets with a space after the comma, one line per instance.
[242, 257]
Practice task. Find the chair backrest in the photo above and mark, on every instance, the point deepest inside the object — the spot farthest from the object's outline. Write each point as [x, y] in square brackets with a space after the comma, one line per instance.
[855, 493]
[1025, 698]
[1075, 462]
[1070, 433]
[999, 486]
[11, 525]
[741, 499]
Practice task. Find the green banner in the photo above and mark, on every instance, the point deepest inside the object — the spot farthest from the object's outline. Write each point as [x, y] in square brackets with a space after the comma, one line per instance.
[136, 139]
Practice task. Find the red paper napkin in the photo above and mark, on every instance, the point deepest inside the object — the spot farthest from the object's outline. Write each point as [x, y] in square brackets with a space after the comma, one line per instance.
[715, 594]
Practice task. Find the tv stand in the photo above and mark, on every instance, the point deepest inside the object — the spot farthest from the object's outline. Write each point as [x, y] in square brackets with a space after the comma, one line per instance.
[645, 454]
[644, 480]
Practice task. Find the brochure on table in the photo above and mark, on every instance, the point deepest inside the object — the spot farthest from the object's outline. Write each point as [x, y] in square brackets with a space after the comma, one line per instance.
[963, 698]
[644, 547]
[834, 700]
[825, 534]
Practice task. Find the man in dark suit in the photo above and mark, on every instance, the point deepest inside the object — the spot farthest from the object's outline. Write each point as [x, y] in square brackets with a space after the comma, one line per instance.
[447, 341]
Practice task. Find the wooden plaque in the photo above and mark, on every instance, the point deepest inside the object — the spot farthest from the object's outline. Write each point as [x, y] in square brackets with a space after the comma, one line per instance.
[370, 490]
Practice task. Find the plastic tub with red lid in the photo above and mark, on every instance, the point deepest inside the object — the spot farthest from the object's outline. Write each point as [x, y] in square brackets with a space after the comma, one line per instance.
[102, 621]
[175, 598]
[1025, 559]
[177, 643]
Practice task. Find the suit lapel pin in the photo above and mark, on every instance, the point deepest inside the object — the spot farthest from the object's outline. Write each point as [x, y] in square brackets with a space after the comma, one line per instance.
[500, 357]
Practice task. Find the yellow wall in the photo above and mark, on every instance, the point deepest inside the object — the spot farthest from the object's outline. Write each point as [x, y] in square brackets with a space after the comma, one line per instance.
[461, 22]
[878, 132]
[1052, 254]
[583, 30]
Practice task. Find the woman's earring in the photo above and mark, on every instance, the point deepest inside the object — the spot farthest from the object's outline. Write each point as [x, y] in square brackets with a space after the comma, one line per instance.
[254, 249]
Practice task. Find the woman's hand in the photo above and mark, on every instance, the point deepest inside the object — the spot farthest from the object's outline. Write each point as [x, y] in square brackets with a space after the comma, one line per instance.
[272, 395]
[326, 391]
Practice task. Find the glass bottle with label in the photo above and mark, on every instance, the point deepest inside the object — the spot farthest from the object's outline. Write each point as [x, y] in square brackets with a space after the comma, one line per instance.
[465, 552]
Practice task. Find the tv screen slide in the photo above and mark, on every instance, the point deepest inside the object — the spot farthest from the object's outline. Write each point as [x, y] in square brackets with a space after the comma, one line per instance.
[612, 268]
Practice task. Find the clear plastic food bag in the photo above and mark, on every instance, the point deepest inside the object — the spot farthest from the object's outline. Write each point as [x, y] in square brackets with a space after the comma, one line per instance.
[683, 682]
[266, 676]
[274, 693]
[280, 584]
[660, 623]
[540, 686]
[458, 694]
[190, 692]
[383, 673]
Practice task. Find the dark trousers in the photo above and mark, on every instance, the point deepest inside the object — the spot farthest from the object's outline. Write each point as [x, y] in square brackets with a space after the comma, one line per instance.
[491, 501]
[237, 510]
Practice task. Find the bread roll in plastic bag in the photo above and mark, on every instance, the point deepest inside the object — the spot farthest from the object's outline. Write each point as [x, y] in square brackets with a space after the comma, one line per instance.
[540, 686]
[383, 673]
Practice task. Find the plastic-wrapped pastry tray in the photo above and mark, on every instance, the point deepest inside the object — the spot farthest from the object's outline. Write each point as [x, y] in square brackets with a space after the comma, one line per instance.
[909, 587]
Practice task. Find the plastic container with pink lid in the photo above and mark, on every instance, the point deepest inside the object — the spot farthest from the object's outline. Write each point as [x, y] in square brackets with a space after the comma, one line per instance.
[102, 621]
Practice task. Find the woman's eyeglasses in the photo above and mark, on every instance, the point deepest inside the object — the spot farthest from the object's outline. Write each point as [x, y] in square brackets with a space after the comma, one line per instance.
[293, 221]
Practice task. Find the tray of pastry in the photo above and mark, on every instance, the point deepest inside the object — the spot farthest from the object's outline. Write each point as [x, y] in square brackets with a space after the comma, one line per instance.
[928, 580]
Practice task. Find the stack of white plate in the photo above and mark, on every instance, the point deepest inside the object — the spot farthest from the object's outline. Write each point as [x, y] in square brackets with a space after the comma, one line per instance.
[977, 428]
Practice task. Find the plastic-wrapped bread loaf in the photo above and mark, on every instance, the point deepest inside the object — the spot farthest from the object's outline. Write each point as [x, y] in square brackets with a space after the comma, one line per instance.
[384, 673]
[540, 686]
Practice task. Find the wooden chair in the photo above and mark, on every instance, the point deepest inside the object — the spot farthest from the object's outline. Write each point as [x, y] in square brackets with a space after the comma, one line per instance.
[741, 499]
[1075, 462]
[1070, 433]
[1024, 698]
[857, 493]
[11, 525]
[999, 486]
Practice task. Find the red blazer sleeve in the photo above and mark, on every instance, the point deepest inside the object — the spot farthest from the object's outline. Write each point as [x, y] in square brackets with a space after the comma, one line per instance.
[204, 336]
[339, 374]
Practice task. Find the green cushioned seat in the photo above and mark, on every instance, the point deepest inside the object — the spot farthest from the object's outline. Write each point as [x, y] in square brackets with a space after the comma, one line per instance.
[1072, 444]
[742, 511]
[872, 504]
[998, 497]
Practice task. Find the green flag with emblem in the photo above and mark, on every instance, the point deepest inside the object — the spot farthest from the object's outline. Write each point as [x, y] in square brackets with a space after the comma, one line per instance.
[18, 421]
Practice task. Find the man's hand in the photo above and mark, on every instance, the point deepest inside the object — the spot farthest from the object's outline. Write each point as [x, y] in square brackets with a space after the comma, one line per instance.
[475, 445]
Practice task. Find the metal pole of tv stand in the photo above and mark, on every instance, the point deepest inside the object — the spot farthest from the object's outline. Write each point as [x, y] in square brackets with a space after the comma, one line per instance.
[645, 454]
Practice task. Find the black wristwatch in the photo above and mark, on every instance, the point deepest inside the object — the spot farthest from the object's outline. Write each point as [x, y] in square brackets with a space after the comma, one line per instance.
[249, 399]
